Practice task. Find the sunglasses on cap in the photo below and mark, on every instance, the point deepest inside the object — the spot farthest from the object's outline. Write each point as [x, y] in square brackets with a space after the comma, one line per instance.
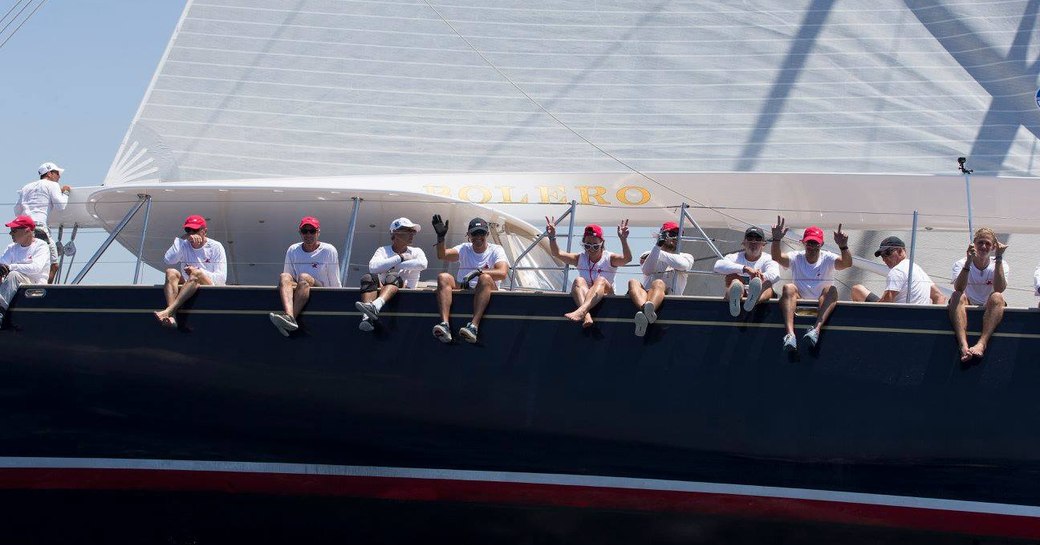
[593, 246]
[308, 231]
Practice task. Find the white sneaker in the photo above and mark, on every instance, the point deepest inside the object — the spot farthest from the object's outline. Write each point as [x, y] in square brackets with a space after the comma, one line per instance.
[754, 291]
[649, 312]
[812, 336]
[368, 309]
[283, 322]
[734, 292]
[641, 323]
[790, 343]
[442, 332]
[469, 333]
[366, 326]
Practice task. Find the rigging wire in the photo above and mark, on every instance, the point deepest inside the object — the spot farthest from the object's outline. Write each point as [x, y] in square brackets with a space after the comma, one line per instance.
[569, 128]
[19, 27]
[4, 18]
[16, 16]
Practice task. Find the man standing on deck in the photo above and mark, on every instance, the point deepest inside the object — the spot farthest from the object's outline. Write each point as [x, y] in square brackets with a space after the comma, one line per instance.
[664, 273]
[812, 271]
[482, 268]
[36, 199]
[752, 272]
[308, 263]
[198, 260]
[24, 261]
[980, 278]
[923, 292]
[391, 268]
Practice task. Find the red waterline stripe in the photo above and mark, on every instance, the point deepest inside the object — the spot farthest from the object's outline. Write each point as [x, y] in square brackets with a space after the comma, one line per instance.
[509, 493]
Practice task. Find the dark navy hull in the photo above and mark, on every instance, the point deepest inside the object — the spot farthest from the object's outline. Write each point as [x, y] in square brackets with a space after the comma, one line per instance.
[543, 431]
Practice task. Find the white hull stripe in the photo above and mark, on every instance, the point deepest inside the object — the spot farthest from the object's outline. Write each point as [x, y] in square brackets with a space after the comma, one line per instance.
[659, 485]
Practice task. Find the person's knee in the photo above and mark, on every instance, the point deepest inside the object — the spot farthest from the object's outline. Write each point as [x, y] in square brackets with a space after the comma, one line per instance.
[173, 276]
[285, 278]
[633, 283]
[658, 284]
[860, 293]
[601, 284]
[996, 300]
[307, 280]
[579, 282]
[485, 280]
[790, 291]
[957, 299]
[445, 281]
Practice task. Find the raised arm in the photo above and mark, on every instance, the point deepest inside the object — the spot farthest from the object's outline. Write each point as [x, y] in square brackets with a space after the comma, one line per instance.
[842, 240]
[626, 251]
[441, 228]
[960, 277]
[999, 276]
[554, 249]
[779, 230]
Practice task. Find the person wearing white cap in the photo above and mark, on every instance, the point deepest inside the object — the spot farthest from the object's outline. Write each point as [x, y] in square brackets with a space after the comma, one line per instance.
[37, 198]
[391, 268]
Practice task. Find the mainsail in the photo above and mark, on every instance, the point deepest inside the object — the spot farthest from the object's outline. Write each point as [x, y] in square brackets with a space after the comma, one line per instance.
[279, 88]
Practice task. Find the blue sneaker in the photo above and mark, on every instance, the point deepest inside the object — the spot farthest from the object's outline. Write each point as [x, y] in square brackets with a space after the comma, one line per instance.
[469, 333]
[442, 332]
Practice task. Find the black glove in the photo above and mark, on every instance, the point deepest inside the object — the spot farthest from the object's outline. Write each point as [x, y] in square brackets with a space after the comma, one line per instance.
[441, 227]
[4, 270]
[469, 277]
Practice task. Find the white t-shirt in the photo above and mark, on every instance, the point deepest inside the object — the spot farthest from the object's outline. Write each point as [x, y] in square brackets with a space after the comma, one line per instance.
[920, 292]
[735, 263]
[36, 198]
[322, 263]
[980, 283]
[470, 261]
[33, 260]
[666, 266]
[384, 260]
[812, 279]
[210, 258]
[1036, 280]
[602, 268]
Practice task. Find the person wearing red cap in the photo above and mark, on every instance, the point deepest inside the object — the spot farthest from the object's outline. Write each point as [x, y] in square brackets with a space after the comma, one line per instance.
[25, 261]
[812, 271]
[198, 261]
[596, 267]
[752, 272]
[482, 268]
[392, 267]
[664, 272]
[308, 263]
[37, 198]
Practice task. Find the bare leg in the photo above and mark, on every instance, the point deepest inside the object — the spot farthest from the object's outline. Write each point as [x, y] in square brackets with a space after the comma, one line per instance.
[592, 298]
[958, 309]
[767, 293]
[788, 300]
[636, 293]
[579, 290]
[656, 293]
[860, 293]
[445, 283]
[991, 318]
[286, 286]
[386, 292]
[301, 294]
[481, 298]
[172, 286]
[828, 302]
[53, 272]
[368, 296]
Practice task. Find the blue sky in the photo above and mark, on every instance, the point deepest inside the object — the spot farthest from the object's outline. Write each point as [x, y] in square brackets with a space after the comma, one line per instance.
[70, 82]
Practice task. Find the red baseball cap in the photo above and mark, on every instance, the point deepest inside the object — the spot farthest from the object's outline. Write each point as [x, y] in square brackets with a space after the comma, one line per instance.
[195, 222]
[670, 226]
[813, 233]
[310, 220]
[594, 230]
[22, 222]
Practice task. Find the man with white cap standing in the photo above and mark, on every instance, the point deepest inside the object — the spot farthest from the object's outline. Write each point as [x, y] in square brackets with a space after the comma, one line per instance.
[37, 198]
[24, 261]
[391, 268]
[196, 260]
[308, 263]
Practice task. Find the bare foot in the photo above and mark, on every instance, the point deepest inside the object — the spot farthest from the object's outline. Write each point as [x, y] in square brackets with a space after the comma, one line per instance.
[164, 320]
[978, 350]
[575, 316]
[587, 323]
[966, 354]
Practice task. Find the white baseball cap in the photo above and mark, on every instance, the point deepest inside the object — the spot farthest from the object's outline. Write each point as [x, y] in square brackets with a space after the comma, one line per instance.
[404, 223]
[47, 167]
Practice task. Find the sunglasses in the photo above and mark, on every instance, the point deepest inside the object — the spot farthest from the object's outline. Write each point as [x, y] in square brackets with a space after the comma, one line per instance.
[593, 246]
[888, 252]
[190, 231]
[754, 239]
[308, 231]
[812, 244]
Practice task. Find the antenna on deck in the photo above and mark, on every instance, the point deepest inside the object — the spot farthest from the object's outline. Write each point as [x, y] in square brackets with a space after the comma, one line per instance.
[967, 187]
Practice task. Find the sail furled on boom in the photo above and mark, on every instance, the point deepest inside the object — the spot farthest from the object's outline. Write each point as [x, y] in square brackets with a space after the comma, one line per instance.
[289, 88]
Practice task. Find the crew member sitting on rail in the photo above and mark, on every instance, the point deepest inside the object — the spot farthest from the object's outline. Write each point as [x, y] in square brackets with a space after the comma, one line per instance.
[391, 268]
[980, 278]
[1036, 281]
[482, 267]
[25, 261]
[812, 271]
[37, 198]
[923, 292]
[308, 263]
[752, 272]
[198, 260]
[664, 273]
[596, 267]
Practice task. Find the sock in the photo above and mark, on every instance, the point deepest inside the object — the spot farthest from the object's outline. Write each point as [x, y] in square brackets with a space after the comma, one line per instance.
[378, 303]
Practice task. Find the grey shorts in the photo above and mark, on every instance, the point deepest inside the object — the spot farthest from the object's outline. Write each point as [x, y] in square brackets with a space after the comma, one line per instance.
[370, 282]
